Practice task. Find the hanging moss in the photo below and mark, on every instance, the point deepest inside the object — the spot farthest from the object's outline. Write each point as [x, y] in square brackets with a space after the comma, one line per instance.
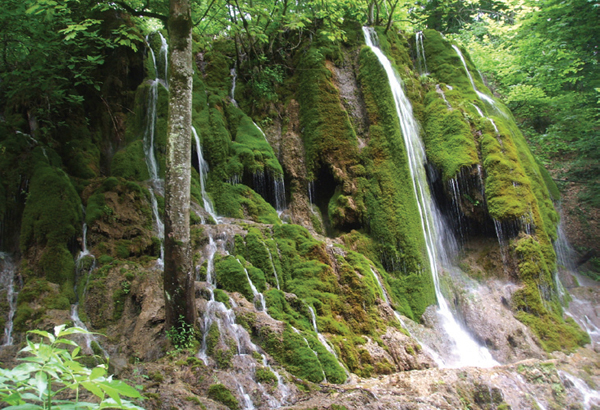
[448, 141]
[328, 136]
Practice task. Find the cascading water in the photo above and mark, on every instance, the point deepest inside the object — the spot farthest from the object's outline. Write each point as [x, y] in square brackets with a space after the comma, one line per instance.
[272, 265]
[483, 97]
[85, 263]
[218, 313]
[278, 183]
[255, 292]
[203, 168]
[232, 92]
[155, 183]
[320, 336]
[7, 281]
[466, 351]
[421, 61]
[589, 398]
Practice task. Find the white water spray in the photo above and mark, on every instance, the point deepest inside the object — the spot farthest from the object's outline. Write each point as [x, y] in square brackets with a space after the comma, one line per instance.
[466, 350]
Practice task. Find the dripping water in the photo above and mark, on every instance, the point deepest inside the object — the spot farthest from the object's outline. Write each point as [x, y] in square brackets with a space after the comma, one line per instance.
[466, 349]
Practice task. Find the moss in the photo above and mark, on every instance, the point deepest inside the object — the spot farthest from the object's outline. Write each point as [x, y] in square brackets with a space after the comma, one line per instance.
[265, 375]
[52, 214]
[231, 276]
[328, 136]
[536, 303]
[448, 140]
[388, 193]
[57, 265]
[239, 201]
[221, 296]
[130, 162]
[222, 394]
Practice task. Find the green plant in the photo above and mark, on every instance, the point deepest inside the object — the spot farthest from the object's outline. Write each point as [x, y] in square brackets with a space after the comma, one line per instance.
[50, 370]
[182, 335]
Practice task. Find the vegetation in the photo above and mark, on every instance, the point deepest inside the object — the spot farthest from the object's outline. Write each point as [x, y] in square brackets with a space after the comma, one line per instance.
[50, 369]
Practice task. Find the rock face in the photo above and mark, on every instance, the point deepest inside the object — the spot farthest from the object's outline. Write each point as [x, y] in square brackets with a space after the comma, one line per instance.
[314, 285]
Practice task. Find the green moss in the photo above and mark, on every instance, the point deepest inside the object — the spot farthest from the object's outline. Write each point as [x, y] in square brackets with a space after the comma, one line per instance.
[231, 276]
[536, 303]
[388, 194]
[220, 393]
[265, 375]
[448, 140]
[52, 214]
[130, 162]
[221, 296]
[328, 136]
[239, 201]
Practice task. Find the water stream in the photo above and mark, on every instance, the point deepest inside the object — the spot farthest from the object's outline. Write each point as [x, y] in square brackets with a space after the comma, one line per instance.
[8, 269]
[155, 183]
[203, 168]
[218, 313]
[467, 352]
[85, 263]
[483, 97]
[421, 60]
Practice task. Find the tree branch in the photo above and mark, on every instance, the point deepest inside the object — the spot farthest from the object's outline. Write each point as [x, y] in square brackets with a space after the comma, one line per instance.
[142, 13]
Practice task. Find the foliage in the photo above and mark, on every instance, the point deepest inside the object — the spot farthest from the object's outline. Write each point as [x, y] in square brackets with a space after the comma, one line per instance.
[50, 369]
[182, 335]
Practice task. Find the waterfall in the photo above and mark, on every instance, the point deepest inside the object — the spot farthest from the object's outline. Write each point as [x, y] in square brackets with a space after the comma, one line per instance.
[320, 336]
[590, 398]
[233, 74]
[85, 263]
[421, 60]
[218, 313]
[439, 90]
[484, 97]
[272, 265]
[7, 281]
[203, 168]
[149, 134]
[278, 184]
[255, 292]
[468, 352]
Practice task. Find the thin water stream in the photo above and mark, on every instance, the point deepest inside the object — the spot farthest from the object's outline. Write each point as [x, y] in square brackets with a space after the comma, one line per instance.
[203, 168]
[8, 270]
[155, 183]
[467, 352]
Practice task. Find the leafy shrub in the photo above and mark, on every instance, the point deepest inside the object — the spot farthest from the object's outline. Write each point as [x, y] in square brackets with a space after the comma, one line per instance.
[50, 370]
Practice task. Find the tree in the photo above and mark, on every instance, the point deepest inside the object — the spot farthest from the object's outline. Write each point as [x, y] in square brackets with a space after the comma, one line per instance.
[178, 279]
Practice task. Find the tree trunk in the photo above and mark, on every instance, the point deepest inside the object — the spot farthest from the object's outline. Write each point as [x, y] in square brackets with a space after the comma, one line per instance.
[178, 279]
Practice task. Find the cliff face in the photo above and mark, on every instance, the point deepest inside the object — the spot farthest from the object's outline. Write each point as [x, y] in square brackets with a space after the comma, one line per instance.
[312, 256]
